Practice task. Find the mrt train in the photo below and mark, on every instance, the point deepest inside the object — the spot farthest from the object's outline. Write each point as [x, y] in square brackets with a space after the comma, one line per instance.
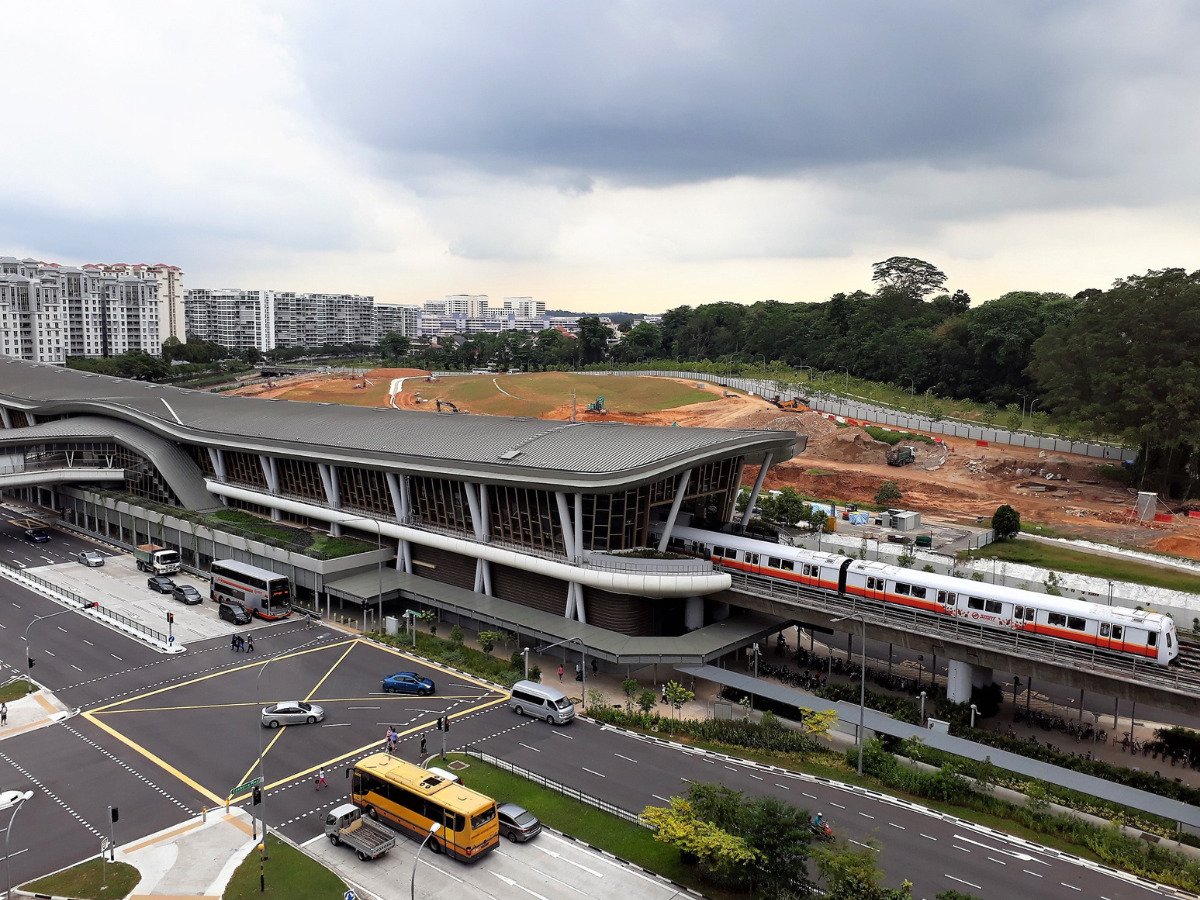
[1116, 630]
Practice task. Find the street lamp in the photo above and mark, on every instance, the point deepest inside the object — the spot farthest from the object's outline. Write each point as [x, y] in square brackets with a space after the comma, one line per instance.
[757, 651]
[974, 710]
[62, 612]
[582, 660]
[412, 884]
[14, 803]
[846, 390]
[862, 686]
[262, 777]
[922, 709]
[525, 653]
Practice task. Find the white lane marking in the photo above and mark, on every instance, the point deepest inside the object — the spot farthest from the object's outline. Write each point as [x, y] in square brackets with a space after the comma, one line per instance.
[838, 805]
[784, 786]
[597, 774]
[48, 652]
[561, 735]
[527, 747]
[963, 849]
[443, 871]
[362, 707]
[755, 777]
[60, 628]
[1023, 857]
[76, 668]
[867, 846]
[993, 859]
[626, 758]
[663, 799]
[731, 768]
[19, 852]
[117, 658]
[894, 825]
[336, 725]
[928, 837]
[572, 862]
[89, 643]
[1034, 874]
[967, 883]
[521, 887]
[808, 795]
[688, 780]
[546, 874]
[1071, 886]
[866, 815]
[17, 605]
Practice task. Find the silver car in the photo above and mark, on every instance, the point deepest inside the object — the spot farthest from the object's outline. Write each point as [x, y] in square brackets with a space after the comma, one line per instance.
[91, 558]
[291, 712]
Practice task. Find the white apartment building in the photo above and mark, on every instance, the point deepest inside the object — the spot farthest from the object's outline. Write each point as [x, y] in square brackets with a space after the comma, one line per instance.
[403, 320]
[237, 319]
[525, 307]
[32, 315]
[171, 319]
[470, 306]
[313, 320]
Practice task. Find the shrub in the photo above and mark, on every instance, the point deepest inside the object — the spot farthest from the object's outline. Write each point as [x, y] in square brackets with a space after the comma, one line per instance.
[456, 635]
[646, 700]
[889, 492]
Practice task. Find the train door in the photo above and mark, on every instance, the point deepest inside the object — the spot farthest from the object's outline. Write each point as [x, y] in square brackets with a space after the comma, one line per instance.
[1111, 637]
[842, 576]
[948, 601]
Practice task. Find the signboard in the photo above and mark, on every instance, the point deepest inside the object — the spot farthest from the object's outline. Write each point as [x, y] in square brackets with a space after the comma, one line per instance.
[246, 787]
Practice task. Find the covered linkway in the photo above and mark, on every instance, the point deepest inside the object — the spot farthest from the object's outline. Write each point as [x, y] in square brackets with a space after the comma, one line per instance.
[881, 723]
[38, 477]
[696, 647]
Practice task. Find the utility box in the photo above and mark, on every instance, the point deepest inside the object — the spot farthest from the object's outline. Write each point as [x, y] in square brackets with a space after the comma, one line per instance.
[941, 726]
[904, 521]
[391, 625]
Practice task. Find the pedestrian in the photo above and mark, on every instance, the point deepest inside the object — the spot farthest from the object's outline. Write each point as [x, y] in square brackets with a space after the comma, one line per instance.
[3, 713]
[319, 780]
[560, 671]
[250, 644]
[663, 698]
[423, 750]
[233, 643]
[307, 619]
[579, 671]
[595, 667]
[391, 737]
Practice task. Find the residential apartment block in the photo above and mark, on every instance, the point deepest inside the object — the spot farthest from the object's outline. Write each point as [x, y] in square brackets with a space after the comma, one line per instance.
[397, 319]
[232, 318]
[32, 315]
[311, 320]
[170, 292]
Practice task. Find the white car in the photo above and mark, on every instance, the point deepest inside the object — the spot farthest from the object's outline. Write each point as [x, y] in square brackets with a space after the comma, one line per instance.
[91, 558]
[292, 712]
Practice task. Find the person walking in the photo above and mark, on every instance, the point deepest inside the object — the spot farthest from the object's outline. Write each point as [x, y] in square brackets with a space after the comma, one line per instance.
[595, 667]
[307, 619]
[579, 671]
[560, 672]
[663, 698]
[319, 780]
[250, 644]
[423, 748]
[390, 737]
[3, 713]
[233, 643]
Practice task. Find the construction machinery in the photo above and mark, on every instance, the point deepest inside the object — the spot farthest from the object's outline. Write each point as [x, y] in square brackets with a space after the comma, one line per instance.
[901, 455]
[794, 403]
[597, 407]
[446, 406]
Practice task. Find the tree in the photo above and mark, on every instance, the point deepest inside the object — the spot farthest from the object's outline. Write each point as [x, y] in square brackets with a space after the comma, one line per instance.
[630, 686]
[888, 493]
[646, 700]
[818, 723]
[644, 341]
[593, 339]
[851, 874]
[252, 355]
[677, 695]
[789, 506]
[818, 519]
[954, 895]
[909, 276]
[1006, 522]
[393, 346]
[717, 850]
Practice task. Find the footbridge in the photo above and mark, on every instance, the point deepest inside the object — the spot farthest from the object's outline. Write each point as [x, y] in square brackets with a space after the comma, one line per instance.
[974, 651]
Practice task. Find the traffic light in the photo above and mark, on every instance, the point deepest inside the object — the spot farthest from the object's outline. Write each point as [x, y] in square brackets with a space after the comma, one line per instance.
[445, 723]
[170, 618]
[439, 723]
[30, 658]
[257, 796]
[114, 814]
[92, 604]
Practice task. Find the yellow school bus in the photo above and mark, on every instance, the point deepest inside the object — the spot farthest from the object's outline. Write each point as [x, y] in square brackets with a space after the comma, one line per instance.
[412, 799]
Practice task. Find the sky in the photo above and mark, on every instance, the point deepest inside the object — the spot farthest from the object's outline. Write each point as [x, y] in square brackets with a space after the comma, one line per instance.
[604, 156]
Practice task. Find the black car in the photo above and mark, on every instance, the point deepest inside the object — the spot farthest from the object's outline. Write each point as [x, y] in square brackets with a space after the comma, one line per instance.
[517, 823]
[37, 535]
[160, 583]
[185, 593]
[234, 613]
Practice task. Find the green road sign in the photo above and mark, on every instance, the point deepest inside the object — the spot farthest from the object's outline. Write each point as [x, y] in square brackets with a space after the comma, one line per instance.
[244, 788]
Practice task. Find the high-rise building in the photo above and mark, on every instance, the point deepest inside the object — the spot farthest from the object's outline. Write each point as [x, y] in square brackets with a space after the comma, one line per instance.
[236, 319]
[32, 312]
[472, 306]
[402, 320]
[525, 307]
[170, 292]
[313, 320]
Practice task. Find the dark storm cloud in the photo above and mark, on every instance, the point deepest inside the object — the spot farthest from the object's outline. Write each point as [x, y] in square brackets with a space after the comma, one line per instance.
[669, 93]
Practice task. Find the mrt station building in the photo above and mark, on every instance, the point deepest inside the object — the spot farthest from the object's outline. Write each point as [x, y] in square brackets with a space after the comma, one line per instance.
[538, 527]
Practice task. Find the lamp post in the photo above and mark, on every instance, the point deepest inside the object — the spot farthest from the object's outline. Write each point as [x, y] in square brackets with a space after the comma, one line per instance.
[14, 804]
[262, 853]
[922, 709]
[974, 710]
[378, 562]
[412, 884]
[62, 612]
[525, 653]
[757, 651]
[582, 660]
[920, 668]
[1031, 406]
[862, 686]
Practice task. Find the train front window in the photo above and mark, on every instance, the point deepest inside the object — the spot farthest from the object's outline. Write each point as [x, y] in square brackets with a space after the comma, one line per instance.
[1170, 643]
[1152, 639]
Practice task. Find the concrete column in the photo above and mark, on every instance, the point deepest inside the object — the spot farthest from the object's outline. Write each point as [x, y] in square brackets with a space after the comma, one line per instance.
[961, 676]
[218, 463]
[758, 483]
[398, 491]
[737, 489]
[333, 494]
[270, 469]
[5, 417]
[693, 614]
[568, 532]
[680, 490]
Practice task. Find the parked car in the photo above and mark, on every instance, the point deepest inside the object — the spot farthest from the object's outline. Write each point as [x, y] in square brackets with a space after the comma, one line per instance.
[517, 823]
[235, 614]
[291, 712]
[91, 558]
[37, 535]
[160, 583]
[185, 593]
[408, 683]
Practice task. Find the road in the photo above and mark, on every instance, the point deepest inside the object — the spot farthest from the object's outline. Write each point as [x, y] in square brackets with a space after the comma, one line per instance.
[163, 736]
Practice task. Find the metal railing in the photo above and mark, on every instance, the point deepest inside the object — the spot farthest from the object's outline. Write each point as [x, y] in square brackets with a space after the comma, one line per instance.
[969, 634]
[647, 565]
[557, 787]
[83, 601]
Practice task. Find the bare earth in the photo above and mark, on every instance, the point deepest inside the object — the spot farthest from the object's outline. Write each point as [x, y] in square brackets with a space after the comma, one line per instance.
[957, 481]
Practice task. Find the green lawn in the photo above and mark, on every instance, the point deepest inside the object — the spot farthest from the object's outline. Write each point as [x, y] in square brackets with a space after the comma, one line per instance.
[15, 690]
[91, 880]
[290, 875]
[629, 841]
[1064, 559]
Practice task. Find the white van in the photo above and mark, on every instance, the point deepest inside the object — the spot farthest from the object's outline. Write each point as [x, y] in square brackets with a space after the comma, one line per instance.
[529, 698]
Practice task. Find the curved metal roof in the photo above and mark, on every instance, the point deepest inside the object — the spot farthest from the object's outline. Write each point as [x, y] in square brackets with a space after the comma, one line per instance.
[548, 453]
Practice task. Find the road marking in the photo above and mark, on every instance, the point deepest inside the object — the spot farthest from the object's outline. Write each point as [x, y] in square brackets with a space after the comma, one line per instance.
[688, 780]
[527, 747]
[117, 658]
[561, 735]
[1071, 886]
[928, 837]
[663, 799]
[337, 725]
[76, 668]
[731, 768]
[19, 852]
[362, 707]
[967, 883]
[522, 887]
[867, 846]
[1024, 857]
[866, 815]
[443, 871]
[808, 795]
[89, 643]
[755, 777]
[963, 849]
[597, 774]
[48, 652]
[626, 758]
[784, 786]
[894, 825]
[60, 628]
[993, 859]
[838, 805]
[1034, 874]
[572, 862]
[17, 605]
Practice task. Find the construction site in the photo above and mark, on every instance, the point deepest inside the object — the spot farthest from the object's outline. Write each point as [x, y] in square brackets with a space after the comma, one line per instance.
[955, 481]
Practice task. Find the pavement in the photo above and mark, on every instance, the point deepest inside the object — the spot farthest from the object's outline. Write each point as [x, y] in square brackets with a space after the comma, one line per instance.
[33, 711]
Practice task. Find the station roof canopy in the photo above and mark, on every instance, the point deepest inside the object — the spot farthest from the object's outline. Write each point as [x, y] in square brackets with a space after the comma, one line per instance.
[489, 448]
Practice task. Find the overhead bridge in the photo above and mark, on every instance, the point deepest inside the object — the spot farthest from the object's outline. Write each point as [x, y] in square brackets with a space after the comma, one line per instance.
[973, 650]
[59, 474]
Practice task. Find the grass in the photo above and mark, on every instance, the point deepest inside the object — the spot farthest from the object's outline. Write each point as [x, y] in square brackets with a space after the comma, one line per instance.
[91, 880]
[15, 690]
[1064, 559]
[895, 437]
[313, 544]
[600, 829]
[290, 875]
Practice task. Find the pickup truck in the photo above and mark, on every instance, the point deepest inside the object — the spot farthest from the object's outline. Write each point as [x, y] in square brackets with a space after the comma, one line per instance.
[157, 560]
[346, 824]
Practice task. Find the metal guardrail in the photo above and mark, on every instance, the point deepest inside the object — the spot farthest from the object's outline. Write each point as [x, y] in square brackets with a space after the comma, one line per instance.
[550, 784]
[647, 565]
[82, 601]
[966, 633]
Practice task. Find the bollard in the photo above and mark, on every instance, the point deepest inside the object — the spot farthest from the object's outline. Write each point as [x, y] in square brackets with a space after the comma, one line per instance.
[203, 813]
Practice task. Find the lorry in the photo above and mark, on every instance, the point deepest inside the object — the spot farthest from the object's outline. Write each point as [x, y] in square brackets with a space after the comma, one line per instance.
[901, 456]
[347, 825]
[156, 559]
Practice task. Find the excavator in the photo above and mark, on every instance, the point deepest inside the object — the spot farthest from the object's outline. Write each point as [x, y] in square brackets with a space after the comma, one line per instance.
[597, 407]
[446, 406]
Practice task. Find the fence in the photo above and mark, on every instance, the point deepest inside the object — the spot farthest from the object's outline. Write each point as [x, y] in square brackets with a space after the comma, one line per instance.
[543, 781]
[66, 594]
[870, 414]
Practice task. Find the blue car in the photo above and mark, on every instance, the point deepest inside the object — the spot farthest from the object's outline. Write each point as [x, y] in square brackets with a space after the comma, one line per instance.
[407, 683]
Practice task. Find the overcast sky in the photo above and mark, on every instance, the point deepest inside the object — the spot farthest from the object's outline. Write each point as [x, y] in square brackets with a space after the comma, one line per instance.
[604, 155]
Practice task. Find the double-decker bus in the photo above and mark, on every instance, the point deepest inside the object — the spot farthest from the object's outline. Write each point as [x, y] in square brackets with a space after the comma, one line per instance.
[412, 800]
[263, 593]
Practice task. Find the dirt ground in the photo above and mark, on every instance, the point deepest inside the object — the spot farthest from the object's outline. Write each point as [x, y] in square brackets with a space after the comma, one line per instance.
[957, 480]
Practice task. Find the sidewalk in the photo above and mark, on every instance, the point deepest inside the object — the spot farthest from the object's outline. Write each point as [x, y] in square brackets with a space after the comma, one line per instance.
[33, 711]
